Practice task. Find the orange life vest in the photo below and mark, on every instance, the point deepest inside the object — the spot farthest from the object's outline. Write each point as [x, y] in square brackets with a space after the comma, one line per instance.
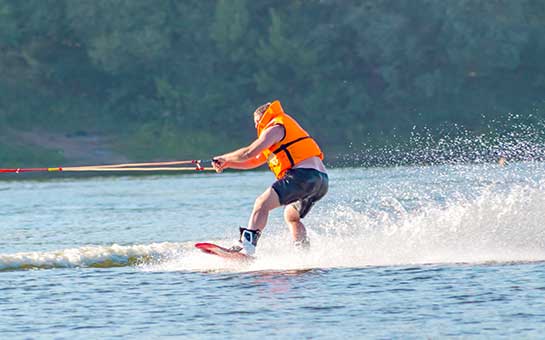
[296, 146]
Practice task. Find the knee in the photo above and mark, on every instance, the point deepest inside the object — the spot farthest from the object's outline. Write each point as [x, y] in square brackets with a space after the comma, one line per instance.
[291, 215]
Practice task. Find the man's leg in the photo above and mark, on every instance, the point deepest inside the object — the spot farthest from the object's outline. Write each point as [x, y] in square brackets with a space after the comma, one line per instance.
[258, 220]
[263, 204]
[297, 228]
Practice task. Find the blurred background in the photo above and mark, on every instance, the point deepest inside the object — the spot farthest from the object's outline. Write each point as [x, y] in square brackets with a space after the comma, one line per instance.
[114, 80]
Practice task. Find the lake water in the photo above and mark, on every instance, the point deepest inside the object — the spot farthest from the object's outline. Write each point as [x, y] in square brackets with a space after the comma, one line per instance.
[406, 252]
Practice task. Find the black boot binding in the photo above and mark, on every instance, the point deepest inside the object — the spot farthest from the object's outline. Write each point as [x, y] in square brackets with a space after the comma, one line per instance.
[247, 241]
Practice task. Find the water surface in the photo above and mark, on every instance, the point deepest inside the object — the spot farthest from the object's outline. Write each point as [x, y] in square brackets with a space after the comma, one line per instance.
[405, 252]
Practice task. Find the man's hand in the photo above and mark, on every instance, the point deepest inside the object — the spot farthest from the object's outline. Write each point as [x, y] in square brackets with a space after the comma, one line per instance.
[219, 164]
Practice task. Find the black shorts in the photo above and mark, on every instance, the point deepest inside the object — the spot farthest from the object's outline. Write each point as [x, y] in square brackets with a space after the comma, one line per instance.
[303, 187]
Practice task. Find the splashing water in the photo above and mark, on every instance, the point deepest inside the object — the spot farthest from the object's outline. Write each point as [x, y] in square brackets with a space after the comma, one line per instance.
[449, 214]
[372, 217]
[514, 138]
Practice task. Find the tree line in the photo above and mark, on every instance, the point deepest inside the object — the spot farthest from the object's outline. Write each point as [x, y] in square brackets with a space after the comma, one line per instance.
[174, 78]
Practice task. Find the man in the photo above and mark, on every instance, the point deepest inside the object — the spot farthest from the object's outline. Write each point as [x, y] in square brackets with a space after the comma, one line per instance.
[295, 159]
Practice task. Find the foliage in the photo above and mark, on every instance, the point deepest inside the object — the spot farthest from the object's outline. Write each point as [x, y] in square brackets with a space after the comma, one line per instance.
[21, 156]
[351, 72]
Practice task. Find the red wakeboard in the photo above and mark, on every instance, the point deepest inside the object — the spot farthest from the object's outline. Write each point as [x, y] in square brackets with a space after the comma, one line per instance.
[214, 249]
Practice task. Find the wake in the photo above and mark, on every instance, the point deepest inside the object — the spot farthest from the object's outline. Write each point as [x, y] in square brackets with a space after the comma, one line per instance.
[91, 256]
[501, 222]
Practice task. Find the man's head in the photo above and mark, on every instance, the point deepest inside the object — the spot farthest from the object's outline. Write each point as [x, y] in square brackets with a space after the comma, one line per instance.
[258, 113]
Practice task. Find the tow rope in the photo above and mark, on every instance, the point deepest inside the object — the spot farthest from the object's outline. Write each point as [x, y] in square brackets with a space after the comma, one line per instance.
[191, 165]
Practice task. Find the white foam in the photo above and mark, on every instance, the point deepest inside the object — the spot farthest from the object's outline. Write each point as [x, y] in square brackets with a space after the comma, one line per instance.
[497, 226]
[105, 256]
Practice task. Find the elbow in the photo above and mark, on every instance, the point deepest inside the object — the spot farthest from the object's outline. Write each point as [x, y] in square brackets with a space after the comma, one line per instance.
[246, 155]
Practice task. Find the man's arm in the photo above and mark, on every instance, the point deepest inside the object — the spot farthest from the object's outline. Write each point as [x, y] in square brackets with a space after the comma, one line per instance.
[250, 156]
[245, 165]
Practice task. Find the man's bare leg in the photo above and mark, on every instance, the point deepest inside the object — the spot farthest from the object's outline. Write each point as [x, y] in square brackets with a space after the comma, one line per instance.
[249, 236]
[297, 228]
[266, 202]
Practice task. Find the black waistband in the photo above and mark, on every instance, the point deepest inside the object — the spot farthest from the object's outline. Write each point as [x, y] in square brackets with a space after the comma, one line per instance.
[308, 170]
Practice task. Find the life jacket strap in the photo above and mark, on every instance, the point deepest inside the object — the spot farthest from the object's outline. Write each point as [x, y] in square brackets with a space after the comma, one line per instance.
[284, 147]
